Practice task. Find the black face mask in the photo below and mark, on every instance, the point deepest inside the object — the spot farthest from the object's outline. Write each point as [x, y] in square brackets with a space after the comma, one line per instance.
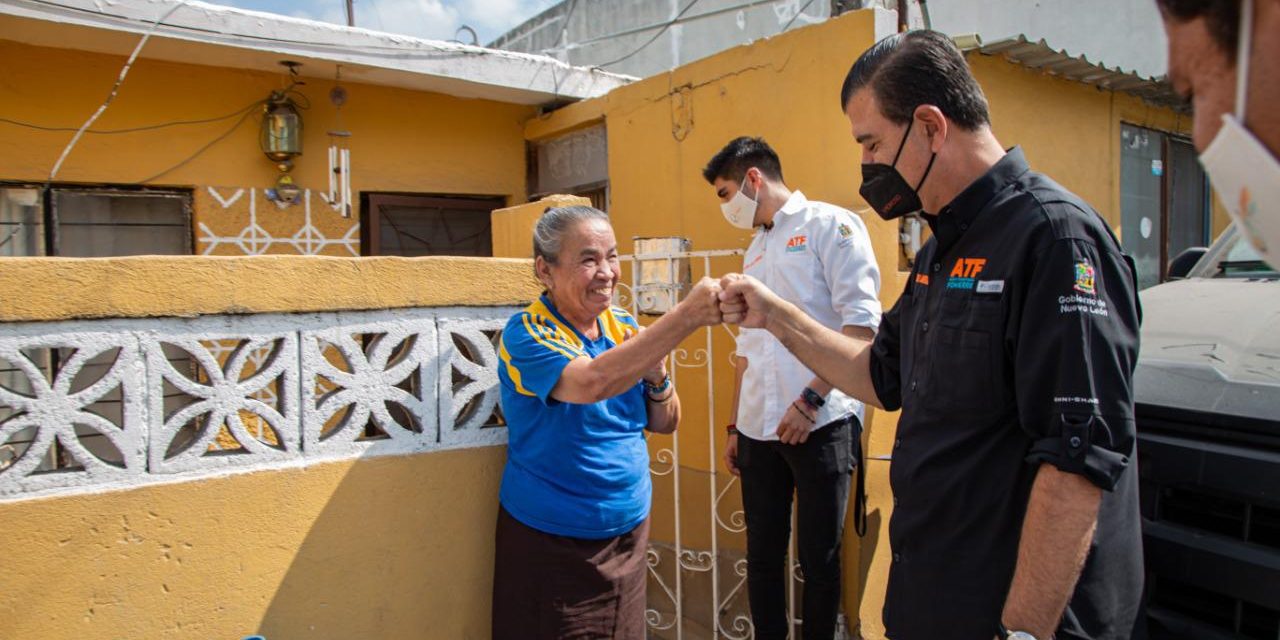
[887, 191]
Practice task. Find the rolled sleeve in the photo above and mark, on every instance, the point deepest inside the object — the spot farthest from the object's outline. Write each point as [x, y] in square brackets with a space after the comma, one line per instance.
[1077, 347]
[849, 267]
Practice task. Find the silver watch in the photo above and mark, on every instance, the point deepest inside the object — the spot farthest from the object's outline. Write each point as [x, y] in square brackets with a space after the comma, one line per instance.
[1006, 634]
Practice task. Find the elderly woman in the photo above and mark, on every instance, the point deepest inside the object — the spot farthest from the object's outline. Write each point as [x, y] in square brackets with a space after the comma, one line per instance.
[580, 384]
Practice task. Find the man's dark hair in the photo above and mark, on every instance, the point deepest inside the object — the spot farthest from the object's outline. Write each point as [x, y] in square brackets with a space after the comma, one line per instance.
[732, 162]
[1221, 18]
[906, 70]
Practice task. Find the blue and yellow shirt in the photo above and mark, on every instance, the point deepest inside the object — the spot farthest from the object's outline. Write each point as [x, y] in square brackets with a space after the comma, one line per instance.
[579, 470]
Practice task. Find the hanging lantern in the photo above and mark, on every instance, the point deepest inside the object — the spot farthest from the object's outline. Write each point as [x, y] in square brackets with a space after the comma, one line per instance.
[281, 131]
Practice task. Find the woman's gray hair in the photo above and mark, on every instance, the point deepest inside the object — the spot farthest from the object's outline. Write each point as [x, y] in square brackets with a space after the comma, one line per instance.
[548, 233]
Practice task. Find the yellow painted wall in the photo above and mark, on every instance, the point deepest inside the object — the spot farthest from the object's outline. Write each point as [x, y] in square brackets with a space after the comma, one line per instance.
[391, 547]
[512, 229]
[384, 547]
[661, 132]
[1069, 131]
[146, 286]
[402, 141]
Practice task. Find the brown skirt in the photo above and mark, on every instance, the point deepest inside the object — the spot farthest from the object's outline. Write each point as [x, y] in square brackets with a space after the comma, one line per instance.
[554, 587]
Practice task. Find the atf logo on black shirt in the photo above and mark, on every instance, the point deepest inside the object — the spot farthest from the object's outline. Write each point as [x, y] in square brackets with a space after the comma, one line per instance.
[965, 274]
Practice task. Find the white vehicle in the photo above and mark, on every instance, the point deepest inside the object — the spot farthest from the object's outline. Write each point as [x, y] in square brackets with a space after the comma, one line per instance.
[1208, 411]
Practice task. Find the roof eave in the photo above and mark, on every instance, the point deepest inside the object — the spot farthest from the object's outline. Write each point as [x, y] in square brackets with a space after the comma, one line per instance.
[222, 35]
[1037, 54]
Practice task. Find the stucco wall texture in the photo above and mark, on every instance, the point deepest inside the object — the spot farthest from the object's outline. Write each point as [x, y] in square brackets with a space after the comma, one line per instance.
[154, 286]
[389, 547]
[386, 547]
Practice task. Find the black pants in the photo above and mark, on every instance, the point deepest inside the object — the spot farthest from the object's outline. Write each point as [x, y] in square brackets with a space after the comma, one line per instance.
[818, 473]
[551, 587]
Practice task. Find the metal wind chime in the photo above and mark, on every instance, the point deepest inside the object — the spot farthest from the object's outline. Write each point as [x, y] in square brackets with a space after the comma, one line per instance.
[339, 196]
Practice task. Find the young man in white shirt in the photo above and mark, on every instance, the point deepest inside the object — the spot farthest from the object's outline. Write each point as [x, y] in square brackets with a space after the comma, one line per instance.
[792, 433]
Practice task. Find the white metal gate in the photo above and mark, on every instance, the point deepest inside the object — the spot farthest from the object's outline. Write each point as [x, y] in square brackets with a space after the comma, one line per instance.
[697, 589]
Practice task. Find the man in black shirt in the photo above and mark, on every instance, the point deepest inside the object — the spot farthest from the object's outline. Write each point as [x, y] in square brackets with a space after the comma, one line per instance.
[1010, 352]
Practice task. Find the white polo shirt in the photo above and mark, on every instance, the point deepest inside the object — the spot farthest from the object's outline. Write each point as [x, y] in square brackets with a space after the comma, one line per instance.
[818, 257]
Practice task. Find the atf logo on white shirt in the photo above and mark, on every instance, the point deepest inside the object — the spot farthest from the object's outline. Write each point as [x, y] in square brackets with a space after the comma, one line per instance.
[818, 257]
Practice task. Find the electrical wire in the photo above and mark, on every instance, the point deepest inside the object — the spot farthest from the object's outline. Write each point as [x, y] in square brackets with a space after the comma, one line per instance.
[564, 28]
[555, 78]
[150, 127]
[201, 150]
[648, 27]
[665, 26]
[796, 16]
[114, 90]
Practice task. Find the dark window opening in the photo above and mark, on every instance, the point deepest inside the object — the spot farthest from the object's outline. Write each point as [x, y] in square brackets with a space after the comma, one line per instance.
[576, 163]
[419, 225]
[83, 222]
[94, 222]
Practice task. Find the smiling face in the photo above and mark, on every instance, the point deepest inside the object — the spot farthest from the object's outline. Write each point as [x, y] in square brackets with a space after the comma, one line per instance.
[581, 281]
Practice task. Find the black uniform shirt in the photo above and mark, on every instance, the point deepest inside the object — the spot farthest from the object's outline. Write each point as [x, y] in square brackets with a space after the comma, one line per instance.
[1013, 344]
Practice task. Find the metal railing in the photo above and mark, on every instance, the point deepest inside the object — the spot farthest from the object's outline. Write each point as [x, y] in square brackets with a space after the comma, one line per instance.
[719, 569]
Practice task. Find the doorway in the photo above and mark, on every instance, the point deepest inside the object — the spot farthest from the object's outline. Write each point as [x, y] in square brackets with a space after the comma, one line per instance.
[1164, 200]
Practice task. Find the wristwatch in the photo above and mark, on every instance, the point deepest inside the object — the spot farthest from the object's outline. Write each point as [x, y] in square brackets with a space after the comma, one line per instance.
[1006, 634]
[812, 398]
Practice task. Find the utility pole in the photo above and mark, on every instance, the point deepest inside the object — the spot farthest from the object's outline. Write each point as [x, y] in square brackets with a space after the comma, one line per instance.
[351, 14]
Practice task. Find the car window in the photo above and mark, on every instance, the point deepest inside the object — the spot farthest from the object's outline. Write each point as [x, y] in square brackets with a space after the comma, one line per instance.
[1241, 260]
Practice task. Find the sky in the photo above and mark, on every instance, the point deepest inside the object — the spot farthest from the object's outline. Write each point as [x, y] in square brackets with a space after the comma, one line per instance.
[435, 19]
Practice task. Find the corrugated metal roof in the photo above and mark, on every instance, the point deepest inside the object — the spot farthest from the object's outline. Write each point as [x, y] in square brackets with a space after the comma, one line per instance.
[1039, 55]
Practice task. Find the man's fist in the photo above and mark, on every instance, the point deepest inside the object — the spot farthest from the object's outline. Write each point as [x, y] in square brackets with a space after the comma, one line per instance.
[745, 301]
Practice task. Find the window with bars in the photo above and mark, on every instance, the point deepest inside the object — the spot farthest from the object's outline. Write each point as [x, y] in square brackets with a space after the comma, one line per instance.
[94, 222]
[79, 221]
[412, 225]
[576, 163]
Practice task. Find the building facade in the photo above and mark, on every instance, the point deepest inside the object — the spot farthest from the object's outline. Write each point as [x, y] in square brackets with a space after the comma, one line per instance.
[295, 426]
